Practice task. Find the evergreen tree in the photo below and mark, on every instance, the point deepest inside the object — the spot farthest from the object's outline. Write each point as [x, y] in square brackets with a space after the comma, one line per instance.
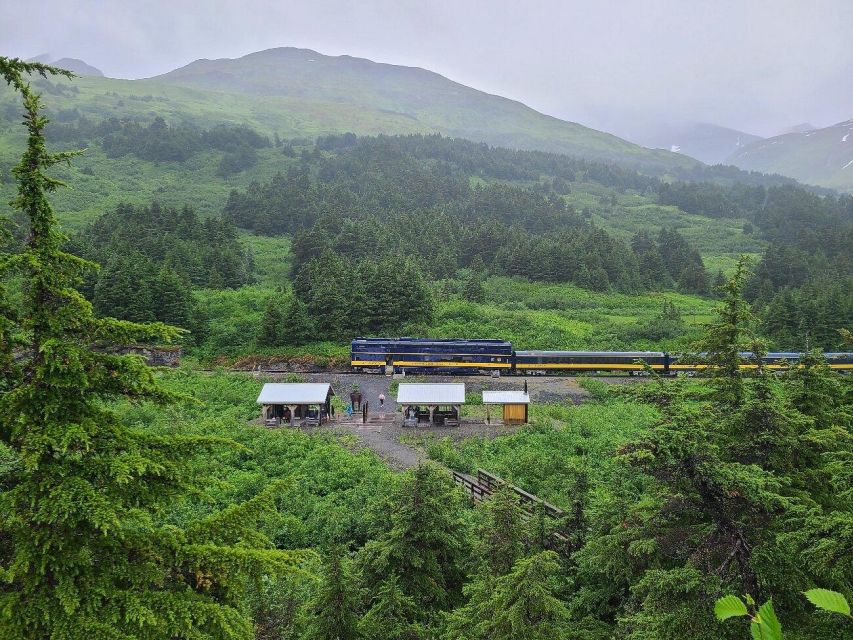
[524, 604]
[172, 299]
[296, 327]
[598, 279]
[719, 283]
[521, 605]
[502, 534]
[123, 289]
[333, 609]
[84, 554]
[817, 391]
[729, 336]
[474, 291]
[423, 543]
[392, 614]
[694, 279]
[271, 331]
[743, 488]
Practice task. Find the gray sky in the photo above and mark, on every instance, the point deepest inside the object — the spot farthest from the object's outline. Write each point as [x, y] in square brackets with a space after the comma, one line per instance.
[755, 65]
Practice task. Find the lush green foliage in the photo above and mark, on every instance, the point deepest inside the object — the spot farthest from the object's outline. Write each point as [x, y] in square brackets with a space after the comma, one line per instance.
[741, 486]
[156, 142]
[365, 197]
[84, 552]
[124, 516]
[151, 259]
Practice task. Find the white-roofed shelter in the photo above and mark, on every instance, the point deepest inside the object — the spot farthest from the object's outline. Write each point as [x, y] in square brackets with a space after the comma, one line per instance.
[289, 402]
[433, 404]
[514, 404]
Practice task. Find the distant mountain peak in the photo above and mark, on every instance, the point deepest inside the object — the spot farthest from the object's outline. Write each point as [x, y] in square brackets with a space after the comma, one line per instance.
[816, 156]
[389, 98]
[704, 141]
[74, 65]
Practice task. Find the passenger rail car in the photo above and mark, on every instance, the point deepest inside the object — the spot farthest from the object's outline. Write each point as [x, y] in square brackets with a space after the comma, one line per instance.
[417, 355]
[773, 360]
[541, 362]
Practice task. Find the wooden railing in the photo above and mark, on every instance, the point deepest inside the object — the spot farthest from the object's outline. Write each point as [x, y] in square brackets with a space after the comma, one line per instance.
[528, 501]
[485, 484]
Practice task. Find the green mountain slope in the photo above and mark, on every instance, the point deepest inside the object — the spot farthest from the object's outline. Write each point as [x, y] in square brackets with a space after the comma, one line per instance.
[821, 156]
[297, 92]
[404, 98]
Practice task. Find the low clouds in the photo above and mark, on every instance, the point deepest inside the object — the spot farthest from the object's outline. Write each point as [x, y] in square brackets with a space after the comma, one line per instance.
[753, 65]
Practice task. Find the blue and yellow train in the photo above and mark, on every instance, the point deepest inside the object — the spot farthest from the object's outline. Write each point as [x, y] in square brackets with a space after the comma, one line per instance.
[470, 357]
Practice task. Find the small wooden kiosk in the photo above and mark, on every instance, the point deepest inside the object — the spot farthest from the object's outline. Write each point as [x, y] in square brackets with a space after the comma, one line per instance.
[308, 403]
[431, 404]
[514, 404]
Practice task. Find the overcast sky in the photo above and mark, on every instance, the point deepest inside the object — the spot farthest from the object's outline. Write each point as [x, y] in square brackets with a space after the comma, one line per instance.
[758, 66]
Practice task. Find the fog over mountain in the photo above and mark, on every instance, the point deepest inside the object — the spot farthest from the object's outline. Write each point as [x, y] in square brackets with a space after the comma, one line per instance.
[757, 67]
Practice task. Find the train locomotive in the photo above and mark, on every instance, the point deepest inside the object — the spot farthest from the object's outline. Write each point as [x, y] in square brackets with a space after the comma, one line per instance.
[497, 357]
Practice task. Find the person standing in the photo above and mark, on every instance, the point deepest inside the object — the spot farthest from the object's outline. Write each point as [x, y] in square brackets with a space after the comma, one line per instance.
[381, 399]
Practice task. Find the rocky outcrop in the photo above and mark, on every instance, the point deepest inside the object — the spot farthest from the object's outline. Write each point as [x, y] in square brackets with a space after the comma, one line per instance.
[157, 356]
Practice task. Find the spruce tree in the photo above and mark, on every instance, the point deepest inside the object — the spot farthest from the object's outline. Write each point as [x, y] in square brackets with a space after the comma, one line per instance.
[86, 554]
[727, 338]
[333, 609]
[524, 604]
[503, 532]
[270, 333]
[171, 299]
[521, 605]
[423, 543]
[717, 288]
[297, 328]
[123, 289]
[745, 490]
[392, 614]
[474, 291]
[819, 392]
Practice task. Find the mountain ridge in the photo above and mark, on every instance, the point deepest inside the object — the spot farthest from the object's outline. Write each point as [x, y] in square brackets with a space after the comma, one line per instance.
[821, 156]
[705, 141]
[433, 101]
[78, 66]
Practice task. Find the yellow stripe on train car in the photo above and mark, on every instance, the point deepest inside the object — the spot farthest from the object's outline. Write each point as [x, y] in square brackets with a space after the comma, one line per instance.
[367, 363]
[755, 366]
[417, 363]
[421, 353]
[583, 365]
[740, 366]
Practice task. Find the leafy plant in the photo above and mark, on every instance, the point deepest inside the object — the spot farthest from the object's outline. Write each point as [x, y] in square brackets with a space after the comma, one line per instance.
[829, 601]
[763, 623]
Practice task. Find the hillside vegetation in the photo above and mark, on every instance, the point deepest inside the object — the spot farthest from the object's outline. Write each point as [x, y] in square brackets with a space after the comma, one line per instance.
[343, 223]
[148, 504]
